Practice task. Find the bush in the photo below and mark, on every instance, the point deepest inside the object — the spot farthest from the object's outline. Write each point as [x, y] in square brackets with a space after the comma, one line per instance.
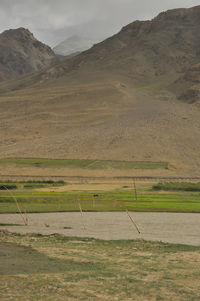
[177, 186]
[45, 182]
[8, 186]
[32, 186]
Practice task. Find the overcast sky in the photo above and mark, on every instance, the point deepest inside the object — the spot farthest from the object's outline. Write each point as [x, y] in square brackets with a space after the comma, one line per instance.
[51, 21]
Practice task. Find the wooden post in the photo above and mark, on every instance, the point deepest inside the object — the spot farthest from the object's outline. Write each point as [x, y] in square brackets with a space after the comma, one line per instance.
[133, 221]
[17, 205]
[81, 212]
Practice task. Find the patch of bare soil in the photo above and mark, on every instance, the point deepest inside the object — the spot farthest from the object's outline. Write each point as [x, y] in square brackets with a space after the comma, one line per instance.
[92, 187]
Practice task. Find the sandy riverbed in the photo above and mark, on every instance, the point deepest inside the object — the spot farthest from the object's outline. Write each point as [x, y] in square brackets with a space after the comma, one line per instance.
[181, 228]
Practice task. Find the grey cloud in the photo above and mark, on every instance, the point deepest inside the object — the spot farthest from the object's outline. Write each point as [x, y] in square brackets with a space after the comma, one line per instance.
[52, 21]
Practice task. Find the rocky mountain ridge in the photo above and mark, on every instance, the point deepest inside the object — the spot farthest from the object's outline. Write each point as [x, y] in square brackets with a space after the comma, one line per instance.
[162, 49]
[22, 53]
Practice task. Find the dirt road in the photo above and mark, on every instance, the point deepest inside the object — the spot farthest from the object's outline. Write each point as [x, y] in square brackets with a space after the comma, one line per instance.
[181, 228]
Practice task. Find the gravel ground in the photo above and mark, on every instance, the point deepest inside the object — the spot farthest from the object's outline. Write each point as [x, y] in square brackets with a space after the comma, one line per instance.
[183, 228]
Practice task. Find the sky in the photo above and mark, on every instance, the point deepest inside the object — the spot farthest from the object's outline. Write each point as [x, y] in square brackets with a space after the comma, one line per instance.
[52, 21]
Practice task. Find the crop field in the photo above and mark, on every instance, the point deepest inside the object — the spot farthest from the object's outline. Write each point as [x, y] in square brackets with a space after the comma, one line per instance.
[91, 164]
[46, 197]
[67, 268]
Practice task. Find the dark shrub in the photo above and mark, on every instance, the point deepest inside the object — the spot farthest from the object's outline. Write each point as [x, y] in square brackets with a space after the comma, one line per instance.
[8, 186]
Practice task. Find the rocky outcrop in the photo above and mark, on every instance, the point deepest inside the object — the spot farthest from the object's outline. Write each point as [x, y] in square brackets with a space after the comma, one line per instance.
[22, 53]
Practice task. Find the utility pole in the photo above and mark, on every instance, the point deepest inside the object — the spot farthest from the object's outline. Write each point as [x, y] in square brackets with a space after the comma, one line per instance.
[135, 190]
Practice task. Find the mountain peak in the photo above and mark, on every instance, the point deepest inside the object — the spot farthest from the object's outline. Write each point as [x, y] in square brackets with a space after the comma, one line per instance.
[178, 13]
[74, 44]
[21, 53]
[18, 32]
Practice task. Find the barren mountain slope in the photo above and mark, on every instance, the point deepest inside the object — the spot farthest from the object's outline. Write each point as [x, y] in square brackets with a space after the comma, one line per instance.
[187, 87]
[21, 53]
[113, 101]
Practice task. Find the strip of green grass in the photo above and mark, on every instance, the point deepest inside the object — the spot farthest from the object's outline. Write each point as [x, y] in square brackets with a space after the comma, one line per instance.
[91, 164]
[10, 225]
[164, 206]
[118, 200]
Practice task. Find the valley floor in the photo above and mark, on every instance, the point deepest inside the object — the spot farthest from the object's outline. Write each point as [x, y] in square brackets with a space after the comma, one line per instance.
[35, 267]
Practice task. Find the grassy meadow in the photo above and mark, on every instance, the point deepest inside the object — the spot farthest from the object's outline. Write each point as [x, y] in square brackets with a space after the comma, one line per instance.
[67, 268]
[34, 197]
[91, 164]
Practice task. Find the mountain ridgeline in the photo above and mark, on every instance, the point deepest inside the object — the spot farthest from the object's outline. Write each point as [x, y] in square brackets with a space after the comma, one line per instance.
[166, 47]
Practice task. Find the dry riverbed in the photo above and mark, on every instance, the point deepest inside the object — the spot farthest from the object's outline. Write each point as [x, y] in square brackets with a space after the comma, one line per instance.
[182, 228]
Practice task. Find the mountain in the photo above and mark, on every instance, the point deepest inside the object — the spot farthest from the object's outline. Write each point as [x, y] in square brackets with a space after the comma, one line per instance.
[74, 45]
[141, 53]
[22, 53]
[126, 98]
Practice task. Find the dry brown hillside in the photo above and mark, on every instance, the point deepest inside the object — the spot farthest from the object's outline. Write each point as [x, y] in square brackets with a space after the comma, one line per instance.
[118, 100]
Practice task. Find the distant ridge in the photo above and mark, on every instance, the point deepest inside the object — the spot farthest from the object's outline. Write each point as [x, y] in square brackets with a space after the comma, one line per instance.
[74, 45]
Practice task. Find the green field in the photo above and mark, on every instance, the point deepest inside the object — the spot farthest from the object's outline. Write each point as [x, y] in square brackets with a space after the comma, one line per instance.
[91, 164]
[33, 200]
[55, 267]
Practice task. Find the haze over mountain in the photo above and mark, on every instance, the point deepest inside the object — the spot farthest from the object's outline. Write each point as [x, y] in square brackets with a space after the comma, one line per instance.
[74, 45]
[22, 53]
[126, 98]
